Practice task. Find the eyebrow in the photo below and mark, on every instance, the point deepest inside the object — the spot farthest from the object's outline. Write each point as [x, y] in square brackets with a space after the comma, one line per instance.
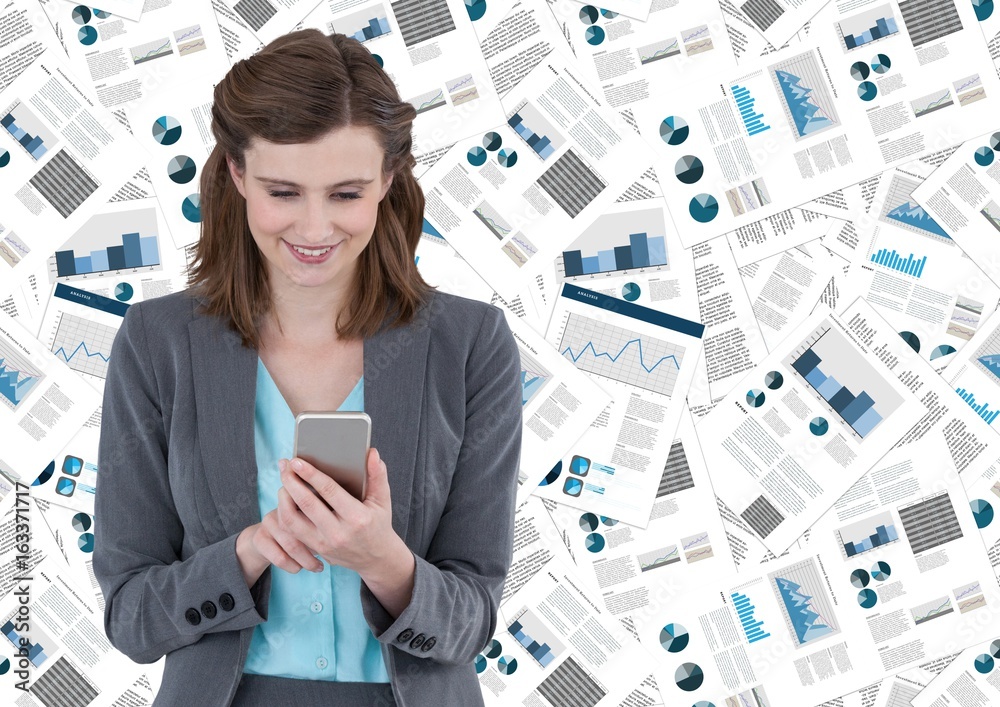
[360, 181]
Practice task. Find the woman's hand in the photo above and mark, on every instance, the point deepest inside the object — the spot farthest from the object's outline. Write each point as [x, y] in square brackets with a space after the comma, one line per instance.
[351, 534]
[265, 543]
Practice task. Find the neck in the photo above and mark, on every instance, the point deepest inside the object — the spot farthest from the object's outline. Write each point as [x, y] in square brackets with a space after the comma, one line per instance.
[305, 315]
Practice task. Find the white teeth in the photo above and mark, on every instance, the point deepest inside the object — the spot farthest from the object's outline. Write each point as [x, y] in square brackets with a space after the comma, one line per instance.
[304, 251]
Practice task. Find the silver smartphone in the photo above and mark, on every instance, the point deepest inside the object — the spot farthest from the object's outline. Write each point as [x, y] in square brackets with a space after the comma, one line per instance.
[337, 444]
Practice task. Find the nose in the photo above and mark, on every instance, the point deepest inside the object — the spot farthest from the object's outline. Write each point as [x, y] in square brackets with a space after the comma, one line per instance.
[315, 224]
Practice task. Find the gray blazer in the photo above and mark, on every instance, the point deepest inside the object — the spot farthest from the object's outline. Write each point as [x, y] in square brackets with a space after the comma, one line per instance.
[178, 483]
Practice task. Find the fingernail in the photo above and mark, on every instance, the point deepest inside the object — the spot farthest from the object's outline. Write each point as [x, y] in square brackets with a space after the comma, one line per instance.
[282, 464]
[297, 464]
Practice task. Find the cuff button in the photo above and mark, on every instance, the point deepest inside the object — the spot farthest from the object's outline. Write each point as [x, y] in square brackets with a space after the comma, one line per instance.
[208, 609]
[405, 635]
[417, 641]
[192, 616]
[428, 644]
[227, 602]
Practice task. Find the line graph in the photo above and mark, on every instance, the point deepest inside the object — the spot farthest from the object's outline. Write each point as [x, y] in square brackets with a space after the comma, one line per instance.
[492, 219]
[991, 212]
[17, 376]
[931, 102]
[931, 610]
[534, 376]
[151, 50]
[84, 345]
[805, 602]
[621, 355]
[428, 101]
[808, 104]
[658, 50]
[660, 557]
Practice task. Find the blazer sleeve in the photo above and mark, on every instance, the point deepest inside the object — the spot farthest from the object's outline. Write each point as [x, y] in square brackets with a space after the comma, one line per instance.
[452, 613]
[155, 601]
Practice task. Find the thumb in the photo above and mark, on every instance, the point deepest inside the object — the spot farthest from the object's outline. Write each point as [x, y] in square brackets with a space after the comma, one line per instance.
[378, 480]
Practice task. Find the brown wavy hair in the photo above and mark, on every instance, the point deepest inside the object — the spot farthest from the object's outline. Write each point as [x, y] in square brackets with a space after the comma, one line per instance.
[297, 89]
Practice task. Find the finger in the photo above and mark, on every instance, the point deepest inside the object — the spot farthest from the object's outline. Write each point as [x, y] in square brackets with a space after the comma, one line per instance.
[272, 551]
[295, 533]
[303, 480]
[378, 479]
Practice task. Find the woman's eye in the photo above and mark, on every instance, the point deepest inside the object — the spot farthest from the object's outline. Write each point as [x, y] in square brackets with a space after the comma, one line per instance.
[349, 195]
[281, 194]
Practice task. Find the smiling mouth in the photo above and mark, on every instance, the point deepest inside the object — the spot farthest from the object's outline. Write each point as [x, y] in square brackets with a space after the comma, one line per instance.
[312, 252]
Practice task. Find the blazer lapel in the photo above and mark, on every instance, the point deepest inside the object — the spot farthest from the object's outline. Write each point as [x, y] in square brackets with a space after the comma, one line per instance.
[225, 379]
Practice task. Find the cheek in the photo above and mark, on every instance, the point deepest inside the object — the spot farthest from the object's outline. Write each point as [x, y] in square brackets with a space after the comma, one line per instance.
[267, 217]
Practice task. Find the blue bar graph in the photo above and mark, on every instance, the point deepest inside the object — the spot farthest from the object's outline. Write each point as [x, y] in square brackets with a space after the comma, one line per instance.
[883, 27]
[642, 251]
[894, 261]
[377, 26]
[883, 535]
[981, 409]
[754, 122]
[539, 143]
[541, 651]
[744, 609]
[34, 144]
[858, 411]
[135, 251]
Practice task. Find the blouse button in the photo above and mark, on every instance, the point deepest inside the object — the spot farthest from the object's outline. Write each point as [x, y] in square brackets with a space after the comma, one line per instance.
[316, 607]
[321, 663]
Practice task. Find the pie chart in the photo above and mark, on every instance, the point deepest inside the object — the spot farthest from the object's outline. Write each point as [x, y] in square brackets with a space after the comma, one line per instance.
[610, 14]
[492, 141]
[630, 292]
[984, 663]
[507, 664]
[984, 157]
[494, 650]
[704, 703]
[860, 578]
[982, 511]
[984, 9]
[477, 156]
[191, 208]
[579, 465]
[86, 542]
[608, 521]
[166, 130]
[81, 14]
[181, 169]
[594, 35]
[123, 292]
[860, 71]
[588, 522]
[867, 91]
[81, 522]
[594, 542]
[507, 158]
[755, 398]
[481, 663]
[881, 63]
[475, 8]
[72, 465]
[773, 380]
[867, 598]
[87, 35]
[942, 350]
[881, 571]
[995, 648]
[703, 208]
[103, 14]
[910, 338]
[588, 14]
[551, 477]
[995, 141]
[572, 487]
[689, 169]
[689, 677]
[819, 426]
[674, 130]
[674, 638]
[4, 158]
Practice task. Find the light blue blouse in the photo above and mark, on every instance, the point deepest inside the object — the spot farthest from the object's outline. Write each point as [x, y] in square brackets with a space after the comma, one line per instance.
[315, 628]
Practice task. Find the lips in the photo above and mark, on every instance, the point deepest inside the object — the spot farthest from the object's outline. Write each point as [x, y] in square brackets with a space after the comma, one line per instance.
[311, 259]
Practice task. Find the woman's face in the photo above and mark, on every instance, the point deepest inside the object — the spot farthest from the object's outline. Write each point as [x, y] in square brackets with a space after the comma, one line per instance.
[320, 197]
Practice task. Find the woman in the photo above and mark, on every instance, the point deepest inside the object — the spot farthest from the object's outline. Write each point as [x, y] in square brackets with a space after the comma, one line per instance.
[304, 296]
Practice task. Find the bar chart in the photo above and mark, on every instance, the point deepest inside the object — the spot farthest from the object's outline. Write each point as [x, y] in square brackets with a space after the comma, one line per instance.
[535, 129]
[540, 642]
[894, 261]
[636, 239]
[753, 121]
[867, 27]
[981, 408]
[109, 243]
[367, 23]
[752, 628]
[29, 131]
[839, 374]
[868, 534]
